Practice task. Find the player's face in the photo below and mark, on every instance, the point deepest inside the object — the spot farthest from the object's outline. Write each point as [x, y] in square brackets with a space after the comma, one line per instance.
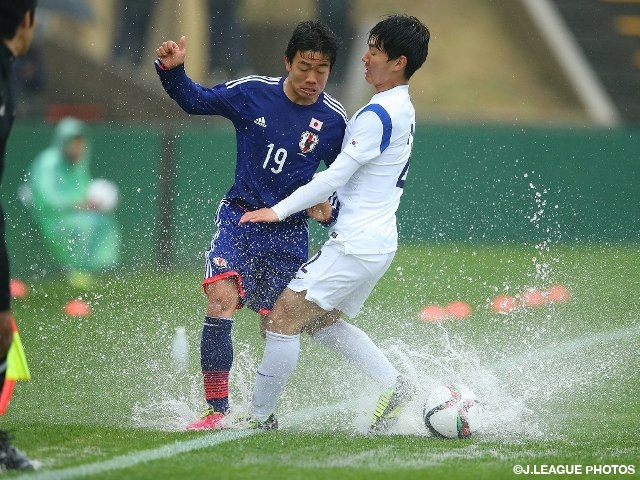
[308, 75]
[379, 71]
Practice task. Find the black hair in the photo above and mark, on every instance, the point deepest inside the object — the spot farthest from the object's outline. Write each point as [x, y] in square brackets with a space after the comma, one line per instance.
[313, 36]
[402, 35]
[11, 14]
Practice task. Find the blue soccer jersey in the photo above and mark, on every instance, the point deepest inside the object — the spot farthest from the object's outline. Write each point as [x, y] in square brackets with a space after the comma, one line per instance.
[279, 143]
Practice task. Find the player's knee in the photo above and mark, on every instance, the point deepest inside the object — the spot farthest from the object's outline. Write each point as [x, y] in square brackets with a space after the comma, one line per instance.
[280, 322]
[222, 298]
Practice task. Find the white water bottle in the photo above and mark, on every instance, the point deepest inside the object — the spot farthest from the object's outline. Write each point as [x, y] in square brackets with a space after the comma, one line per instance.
[180, 349]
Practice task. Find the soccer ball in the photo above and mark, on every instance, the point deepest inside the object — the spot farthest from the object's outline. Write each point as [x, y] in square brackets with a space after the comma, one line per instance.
[103, 194]
[451, 411]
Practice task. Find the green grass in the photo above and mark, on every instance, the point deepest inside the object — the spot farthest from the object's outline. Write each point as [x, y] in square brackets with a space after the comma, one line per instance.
[559, 384]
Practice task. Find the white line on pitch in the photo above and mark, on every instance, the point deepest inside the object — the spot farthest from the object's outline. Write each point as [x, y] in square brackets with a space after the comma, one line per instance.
[168, 450]
[131, 459]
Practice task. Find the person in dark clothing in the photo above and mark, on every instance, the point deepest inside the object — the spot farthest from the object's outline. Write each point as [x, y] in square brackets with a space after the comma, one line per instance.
[17, 26]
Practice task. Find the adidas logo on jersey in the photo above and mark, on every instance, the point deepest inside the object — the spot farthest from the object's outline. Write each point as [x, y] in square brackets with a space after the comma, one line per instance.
[260, 121]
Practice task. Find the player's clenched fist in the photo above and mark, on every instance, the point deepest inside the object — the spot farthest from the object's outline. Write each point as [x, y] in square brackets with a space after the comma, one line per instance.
[171, 54]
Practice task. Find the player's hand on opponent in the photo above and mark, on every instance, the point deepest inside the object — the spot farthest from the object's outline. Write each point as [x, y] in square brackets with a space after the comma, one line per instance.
[321, 212]
[171, 54]
[260, 215]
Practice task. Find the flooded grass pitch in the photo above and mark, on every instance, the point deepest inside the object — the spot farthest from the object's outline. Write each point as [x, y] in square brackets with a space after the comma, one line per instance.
[560, 378]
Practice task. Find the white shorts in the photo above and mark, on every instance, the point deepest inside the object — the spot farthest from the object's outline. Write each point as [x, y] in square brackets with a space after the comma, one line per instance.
[335, 280]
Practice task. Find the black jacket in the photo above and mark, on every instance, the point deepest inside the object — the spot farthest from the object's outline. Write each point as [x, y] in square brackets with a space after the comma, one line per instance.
[7, 114]
[7, 102]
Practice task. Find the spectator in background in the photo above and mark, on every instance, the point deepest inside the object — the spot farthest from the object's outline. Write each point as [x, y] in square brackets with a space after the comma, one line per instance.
[17, 26]
[73, 211]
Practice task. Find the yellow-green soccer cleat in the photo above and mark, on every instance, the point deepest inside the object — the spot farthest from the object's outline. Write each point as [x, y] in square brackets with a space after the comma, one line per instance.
[249, 422]
[390, 405]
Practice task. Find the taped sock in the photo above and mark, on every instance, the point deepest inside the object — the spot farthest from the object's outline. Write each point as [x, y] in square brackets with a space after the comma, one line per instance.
[216, 358]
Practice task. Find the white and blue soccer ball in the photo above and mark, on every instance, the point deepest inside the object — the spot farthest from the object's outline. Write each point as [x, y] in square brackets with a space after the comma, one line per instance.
[451, 411]
[103, 194]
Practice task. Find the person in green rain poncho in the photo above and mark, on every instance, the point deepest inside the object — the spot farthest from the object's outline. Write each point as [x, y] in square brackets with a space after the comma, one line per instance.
[74, 212]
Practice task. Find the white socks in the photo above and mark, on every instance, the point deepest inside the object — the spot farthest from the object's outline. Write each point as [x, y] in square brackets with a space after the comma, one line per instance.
[281, 357]
[279, 360]
[356, 346]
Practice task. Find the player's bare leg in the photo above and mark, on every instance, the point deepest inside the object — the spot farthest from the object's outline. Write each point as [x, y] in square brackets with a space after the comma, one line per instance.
[292, 312]
[222, 297]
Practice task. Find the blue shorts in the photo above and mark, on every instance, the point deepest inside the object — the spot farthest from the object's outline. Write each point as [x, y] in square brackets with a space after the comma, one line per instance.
[263, 257]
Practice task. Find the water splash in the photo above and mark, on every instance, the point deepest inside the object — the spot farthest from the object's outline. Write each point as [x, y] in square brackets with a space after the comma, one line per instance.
[525, 388]
[504, 415]
[543, 222]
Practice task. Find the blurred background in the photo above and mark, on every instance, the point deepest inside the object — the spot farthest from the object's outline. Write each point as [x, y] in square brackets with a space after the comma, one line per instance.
[514, 61]
[528, 111]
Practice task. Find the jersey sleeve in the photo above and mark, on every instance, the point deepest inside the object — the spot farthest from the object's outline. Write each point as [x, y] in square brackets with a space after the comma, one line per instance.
[319, 188]
[370, 134]
[194, 98]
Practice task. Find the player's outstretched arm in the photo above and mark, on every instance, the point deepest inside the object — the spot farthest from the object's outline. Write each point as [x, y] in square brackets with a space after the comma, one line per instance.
[260, 215]
[171, 54]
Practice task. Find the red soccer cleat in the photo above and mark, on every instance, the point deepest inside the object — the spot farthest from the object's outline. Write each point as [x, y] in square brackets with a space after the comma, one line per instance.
[211, 420]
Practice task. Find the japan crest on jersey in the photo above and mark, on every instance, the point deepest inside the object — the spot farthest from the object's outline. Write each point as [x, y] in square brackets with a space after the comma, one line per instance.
[308, 141]
[219, 262]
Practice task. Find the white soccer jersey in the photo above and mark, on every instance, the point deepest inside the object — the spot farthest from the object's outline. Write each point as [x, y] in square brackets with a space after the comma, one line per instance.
[368, 175]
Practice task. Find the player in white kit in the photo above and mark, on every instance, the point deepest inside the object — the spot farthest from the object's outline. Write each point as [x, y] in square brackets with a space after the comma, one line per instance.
[368, 177]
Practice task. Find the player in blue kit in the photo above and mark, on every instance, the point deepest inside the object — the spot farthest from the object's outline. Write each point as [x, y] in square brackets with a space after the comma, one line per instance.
[285, 126]
[368, 177]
